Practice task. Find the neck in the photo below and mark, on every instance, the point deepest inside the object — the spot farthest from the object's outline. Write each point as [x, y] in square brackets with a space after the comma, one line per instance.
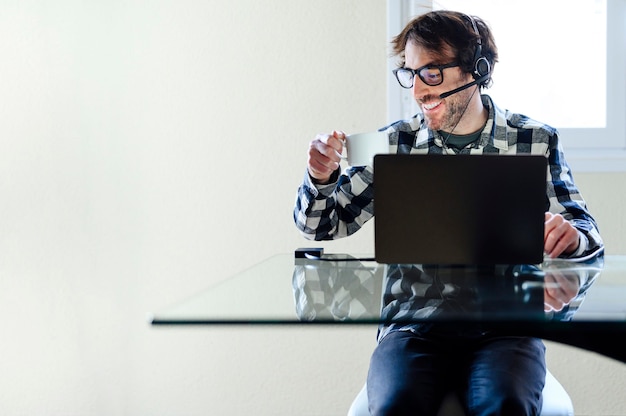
[474, 117]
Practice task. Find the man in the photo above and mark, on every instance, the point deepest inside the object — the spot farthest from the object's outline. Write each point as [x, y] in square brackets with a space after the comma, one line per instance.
[446, 58]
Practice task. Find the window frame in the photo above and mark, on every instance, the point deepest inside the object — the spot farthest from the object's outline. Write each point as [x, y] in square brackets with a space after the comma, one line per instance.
[607, 154]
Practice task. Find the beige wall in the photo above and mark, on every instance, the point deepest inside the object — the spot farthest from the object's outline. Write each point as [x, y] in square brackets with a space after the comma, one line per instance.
[153, 148]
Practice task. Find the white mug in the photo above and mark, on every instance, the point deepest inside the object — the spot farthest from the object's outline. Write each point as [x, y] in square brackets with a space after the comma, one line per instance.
[361, 147]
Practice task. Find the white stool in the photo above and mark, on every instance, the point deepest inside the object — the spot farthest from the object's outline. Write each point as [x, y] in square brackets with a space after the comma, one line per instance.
[556, 402]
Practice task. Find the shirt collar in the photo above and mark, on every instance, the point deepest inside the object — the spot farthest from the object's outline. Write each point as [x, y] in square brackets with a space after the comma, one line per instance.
[495, 132]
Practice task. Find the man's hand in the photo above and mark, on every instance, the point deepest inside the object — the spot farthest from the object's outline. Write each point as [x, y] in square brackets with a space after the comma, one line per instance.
[325, 155]
[559, 236]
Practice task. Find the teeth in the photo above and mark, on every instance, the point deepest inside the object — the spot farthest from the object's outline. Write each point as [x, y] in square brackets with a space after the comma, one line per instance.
[431, 105]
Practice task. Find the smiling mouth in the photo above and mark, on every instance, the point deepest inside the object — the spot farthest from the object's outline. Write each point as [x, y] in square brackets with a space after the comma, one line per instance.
[431, 105]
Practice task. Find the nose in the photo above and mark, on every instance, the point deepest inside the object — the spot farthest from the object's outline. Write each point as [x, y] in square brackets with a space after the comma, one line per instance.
[420, 89]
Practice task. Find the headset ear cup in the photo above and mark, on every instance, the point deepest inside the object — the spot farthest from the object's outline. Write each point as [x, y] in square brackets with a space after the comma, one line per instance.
[481, 67]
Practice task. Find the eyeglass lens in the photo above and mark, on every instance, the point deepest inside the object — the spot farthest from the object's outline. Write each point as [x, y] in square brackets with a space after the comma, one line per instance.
[429, 75]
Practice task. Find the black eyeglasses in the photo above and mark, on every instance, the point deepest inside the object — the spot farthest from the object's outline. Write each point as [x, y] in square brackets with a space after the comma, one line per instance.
[429, 74]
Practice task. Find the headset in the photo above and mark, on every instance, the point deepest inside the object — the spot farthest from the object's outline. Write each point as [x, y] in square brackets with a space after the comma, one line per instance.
[482, 67]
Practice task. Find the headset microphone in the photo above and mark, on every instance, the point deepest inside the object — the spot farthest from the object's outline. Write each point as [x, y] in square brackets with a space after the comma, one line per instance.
[464, 87]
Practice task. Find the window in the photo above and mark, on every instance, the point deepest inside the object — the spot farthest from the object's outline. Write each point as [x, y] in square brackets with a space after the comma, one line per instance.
[563, 66]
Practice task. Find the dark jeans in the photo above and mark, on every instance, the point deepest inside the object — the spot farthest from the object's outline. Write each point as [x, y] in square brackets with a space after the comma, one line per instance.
[410, 374]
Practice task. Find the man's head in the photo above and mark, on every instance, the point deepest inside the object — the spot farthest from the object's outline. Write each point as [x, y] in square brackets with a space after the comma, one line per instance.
[468, 38]
[444, 56]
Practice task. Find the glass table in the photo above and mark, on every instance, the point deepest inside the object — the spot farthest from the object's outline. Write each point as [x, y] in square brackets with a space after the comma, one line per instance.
[580, 303]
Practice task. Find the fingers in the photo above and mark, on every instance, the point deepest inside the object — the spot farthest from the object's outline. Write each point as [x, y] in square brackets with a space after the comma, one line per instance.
[325, 155]
[559, 289]
[552, 294]
[560, 236]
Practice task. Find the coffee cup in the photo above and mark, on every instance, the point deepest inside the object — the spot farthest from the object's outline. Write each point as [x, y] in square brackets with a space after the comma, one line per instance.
[361, 147]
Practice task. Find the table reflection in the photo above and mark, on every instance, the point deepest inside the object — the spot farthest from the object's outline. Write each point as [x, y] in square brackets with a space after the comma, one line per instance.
[342, 288]
[338, 288]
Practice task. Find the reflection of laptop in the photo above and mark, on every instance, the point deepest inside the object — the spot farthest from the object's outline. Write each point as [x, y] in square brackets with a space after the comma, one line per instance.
[459, 209]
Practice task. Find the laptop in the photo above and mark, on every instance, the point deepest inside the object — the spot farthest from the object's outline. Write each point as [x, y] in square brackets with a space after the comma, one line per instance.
[459, 209]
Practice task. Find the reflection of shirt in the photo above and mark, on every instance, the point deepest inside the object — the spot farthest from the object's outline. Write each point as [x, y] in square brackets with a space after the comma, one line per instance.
[430, 293]
[339, 209]
[336, 290]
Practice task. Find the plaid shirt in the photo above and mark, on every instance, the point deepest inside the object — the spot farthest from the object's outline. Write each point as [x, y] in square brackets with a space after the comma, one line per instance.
[340, 208]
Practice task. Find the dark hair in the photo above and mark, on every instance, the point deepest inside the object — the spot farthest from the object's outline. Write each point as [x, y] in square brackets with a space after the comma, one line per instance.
[442, 30]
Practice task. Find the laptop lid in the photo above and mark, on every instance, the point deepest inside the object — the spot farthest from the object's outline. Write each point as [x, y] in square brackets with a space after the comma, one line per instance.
[459, 209]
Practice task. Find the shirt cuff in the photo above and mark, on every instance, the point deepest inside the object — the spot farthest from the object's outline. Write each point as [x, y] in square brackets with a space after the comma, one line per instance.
[326, 189]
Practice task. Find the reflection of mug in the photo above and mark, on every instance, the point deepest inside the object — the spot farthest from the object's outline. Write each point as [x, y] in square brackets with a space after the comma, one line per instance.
[362, 147]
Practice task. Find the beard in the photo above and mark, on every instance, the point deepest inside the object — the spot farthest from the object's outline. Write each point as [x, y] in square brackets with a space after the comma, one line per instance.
[455, 109]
